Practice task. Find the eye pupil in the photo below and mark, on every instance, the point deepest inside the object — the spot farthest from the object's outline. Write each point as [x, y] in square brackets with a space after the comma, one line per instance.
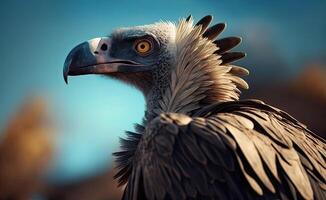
[143, 47]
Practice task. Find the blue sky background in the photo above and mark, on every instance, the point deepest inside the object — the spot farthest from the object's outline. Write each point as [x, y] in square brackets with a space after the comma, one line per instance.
[93, 111]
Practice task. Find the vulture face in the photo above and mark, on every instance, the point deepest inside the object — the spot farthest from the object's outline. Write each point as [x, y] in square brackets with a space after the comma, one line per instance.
[179, 67]
[129, 54]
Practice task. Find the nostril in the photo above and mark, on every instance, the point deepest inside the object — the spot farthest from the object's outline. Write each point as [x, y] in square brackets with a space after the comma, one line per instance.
[95, 52]
[104, 47]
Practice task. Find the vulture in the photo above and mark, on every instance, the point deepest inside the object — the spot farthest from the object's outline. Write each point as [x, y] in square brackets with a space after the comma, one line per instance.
[198, 140]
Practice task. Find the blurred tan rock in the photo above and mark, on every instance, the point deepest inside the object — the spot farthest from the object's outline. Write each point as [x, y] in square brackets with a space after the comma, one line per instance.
[312, 82]
[25, 151]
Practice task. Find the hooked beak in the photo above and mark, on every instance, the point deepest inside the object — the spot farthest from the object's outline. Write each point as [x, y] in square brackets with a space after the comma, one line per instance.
[93, 57]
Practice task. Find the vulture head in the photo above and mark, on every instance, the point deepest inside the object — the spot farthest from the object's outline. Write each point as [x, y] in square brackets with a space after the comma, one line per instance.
[179, 67]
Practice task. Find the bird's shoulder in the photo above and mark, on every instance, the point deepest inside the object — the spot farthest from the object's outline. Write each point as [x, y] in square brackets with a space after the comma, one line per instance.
[236, 146]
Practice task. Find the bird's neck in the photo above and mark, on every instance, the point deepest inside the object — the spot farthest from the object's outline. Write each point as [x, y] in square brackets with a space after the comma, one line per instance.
[155, 94]
[195, 78]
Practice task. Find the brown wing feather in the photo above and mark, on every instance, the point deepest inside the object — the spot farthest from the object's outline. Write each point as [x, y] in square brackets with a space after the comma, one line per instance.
[212, 32]
[226, 44]
[188, 18]
[229, 57]
[204, 22]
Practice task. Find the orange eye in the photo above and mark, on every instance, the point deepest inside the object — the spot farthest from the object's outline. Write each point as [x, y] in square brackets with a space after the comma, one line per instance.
[143, 47]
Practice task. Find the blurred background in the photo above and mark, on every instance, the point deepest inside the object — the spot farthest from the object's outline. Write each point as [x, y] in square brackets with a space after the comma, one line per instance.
[286, 55]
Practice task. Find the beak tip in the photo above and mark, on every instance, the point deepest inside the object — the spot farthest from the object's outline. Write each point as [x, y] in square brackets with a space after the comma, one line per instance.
[66, 79]
[66, 70]
[65, 75]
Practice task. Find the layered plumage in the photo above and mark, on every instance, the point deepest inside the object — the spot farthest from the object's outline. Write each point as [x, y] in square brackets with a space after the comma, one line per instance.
[230, 150]
[198, 140]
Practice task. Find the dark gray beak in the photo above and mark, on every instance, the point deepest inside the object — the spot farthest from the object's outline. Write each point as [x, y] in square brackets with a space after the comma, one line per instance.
[93, 57]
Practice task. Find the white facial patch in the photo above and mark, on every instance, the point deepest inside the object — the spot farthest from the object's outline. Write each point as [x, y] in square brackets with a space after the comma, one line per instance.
[94, 44]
